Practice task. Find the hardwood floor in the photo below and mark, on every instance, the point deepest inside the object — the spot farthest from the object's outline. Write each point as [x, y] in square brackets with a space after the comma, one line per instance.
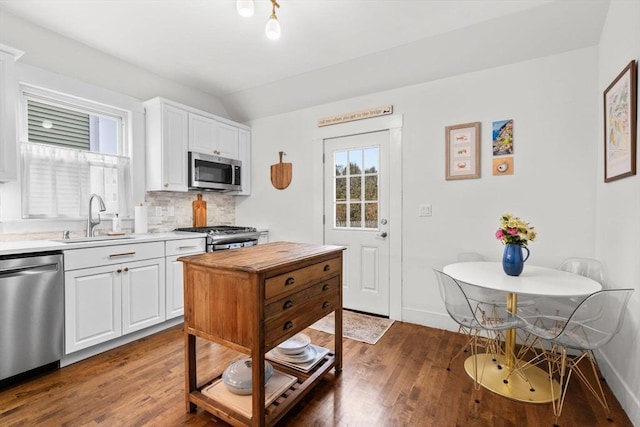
[400, 381]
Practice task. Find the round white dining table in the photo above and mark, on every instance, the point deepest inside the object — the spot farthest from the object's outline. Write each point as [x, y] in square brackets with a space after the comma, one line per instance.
[503, 374]
[533, 280]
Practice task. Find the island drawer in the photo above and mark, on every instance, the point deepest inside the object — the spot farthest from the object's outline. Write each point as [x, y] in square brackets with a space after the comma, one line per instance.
[292, 302]
[289, 323]
[297, 279]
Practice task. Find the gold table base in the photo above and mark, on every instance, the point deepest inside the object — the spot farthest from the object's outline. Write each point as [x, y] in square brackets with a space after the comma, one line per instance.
[530, 384]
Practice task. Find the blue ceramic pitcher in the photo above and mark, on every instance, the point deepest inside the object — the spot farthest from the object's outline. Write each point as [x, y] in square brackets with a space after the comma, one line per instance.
[512, 261]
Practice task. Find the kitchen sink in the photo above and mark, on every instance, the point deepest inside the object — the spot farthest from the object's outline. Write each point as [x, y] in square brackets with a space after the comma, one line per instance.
[92, 239]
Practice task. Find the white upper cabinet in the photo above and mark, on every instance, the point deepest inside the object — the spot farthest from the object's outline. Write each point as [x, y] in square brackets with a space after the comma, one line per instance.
[244, 155]
[173, 129]
[8, 99]
[209, 136]
[167, 144]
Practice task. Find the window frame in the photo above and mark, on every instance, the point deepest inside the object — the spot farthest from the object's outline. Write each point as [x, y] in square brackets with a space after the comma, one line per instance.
[74, 103]
[83, 105]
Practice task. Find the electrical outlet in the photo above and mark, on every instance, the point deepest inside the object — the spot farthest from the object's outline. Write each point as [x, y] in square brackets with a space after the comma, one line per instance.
[171, 211]
[424, 210]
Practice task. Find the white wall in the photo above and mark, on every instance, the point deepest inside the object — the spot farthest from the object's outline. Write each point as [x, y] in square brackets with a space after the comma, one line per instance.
[618, 213]
[552, 101]
[61, 55]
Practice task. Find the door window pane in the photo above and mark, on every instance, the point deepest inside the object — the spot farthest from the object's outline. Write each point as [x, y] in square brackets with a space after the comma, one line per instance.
[341, 163]
[371, 160]
[341, 189]
[341, 215]
[371, 188]
[355, 185]
[371, 215]
[355, 162]
[355, 215]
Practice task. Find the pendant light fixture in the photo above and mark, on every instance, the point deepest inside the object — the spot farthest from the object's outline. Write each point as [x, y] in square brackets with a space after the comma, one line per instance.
[272, 30]
[245, 8]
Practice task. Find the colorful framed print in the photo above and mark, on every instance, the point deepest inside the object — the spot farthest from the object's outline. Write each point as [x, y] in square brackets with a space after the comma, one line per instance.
[462, 151]
[620, 121]
[502, 134]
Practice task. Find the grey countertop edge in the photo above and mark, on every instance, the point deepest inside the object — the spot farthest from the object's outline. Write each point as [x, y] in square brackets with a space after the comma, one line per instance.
[20, 247]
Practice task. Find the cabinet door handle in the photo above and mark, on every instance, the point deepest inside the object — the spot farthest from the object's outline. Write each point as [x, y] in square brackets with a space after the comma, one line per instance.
[216, 152]
[166, 184]
[119, 270]
[290, 281]
[325, 287]
[325, 304]
[122, 254]
[126, 269]
[287, 304]
[287, 325]
[327, 267]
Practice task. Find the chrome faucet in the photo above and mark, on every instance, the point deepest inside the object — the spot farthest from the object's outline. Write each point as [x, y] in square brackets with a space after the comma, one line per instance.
[90, 223]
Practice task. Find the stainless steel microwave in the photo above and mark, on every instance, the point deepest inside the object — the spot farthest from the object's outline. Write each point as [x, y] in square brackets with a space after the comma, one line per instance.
[214, 173]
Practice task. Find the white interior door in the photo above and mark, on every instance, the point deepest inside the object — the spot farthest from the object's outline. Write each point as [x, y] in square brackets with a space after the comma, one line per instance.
[356, 212]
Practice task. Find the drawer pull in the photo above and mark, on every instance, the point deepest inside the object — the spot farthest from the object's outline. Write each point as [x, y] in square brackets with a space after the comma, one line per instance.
[290, 281]
[122, 254]
[325, 304]
[184, 248]
[327, 267]
[287, 325]
[325, 287]
[287, 304]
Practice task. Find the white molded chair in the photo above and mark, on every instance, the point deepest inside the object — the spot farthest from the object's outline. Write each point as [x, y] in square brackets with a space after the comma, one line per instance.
[594, 322]
[460, 309]
[587, 267]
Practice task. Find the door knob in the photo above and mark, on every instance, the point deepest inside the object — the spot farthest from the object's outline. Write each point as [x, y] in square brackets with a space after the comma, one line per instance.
[383, 234]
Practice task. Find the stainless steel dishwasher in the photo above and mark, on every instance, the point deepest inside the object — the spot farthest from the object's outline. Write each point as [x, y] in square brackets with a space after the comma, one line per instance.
[31, 313]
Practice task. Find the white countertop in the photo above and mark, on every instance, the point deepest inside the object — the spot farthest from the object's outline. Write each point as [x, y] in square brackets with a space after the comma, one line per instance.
[29, 246]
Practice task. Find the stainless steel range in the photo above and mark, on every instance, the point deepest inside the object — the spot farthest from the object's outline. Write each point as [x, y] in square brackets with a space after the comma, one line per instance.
[220, 237]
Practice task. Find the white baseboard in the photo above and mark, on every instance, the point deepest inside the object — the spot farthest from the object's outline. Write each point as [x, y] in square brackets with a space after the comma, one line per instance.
[620, 388]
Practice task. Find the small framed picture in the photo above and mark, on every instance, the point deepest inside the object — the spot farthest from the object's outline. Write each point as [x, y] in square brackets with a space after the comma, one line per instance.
[463, 151]
[620, 102]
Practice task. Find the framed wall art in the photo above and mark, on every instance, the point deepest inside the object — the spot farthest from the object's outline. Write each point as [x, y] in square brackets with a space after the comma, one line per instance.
[620, 120]
[463, 151]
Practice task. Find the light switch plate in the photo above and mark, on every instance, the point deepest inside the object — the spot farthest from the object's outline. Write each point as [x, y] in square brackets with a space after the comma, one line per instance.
[424, 210]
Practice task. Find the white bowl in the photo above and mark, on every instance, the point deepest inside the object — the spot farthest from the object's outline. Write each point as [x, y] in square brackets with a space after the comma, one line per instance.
[297, 344]
[237, 376]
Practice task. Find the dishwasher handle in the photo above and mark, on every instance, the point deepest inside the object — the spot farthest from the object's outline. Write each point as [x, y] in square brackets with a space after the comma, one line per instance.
[24, 270]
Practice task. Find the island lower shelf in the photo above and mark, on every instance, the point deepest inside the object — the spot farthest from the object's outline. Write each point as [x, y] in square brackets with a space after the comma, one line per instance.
[280, 405]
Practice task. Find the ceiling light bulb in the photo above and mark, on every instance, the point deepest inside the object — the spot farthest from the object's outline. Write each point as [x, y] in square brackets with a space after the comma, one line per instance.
[245, 8]
[272, 29]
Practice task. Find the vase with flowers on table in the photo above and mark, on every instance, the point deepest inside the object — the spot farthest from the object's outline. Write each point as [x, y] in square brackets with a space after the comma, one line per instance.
[515, 234]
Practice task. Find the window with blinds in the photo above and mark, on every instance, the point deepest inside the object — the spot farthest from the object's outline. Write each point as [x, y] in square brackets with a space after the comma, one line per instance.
[72, 148]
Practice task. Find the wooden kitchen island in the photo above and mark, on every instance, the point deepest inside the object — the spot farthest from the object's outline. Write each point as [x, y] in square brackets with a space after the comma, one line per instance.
[252, 299]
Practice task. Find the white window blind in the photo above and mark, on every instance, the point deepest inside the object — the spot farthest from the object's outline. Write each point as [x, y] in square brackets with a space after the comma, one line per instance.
[57, 181]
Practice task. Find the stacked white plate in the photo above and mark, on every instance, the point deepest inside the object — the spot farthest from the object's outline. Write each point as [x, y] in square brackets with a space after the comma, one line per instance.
[297, 349]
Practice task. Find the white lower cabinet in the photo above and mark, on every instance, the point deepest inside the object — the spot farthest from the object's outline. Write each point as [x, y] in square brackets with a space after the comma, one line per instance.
[143, 294]
[174, 249]
[103, 302]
